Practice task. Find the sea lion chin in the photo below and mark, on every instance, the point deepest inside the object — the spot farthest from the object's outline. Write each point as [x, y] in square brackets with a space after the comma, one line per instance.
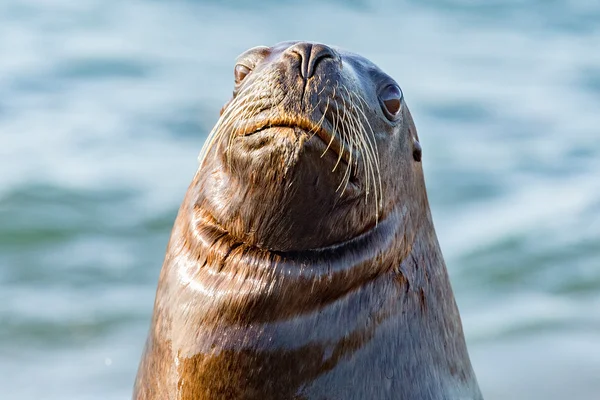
[303, 263]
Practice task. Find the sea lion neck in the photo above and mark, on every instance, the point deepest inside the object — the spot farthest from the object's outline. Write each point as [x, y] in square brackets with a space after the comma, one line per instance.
[261, 282]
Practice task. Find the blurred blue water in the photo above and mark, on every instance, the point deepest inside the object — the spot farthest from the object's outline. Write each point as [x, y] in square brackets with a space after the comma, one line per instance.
[104, 106]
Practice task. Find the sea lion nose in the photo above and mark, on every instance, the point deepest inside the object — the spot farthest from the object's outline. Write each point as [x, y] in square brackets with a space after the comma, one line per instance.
[310, 55]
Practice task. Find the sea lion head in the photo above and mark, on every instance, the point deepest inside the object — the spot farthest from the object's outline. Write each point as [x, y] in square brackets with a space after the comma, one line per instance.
[315, 147]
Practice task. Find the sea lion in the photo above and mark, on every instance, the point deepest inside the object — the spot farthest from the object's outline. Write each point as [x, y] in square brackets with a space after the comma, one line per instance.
[303, 263]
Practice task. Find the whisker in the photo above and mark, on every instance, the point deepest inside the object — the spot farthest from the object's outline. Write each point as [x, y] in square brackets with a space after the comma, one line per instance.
[372, 144]
[319, 125]
[334, 131]
[361, 144]
[217, 132]
[345, 138]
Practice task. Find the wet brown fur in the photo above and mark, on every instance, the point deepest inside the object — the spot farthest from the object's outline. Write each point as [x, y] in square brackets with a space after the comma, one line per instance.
[278, 284]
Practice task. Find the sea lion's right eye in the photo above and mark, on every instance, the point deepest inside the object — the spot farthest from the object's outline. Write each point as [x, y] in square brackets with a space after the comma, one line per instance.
[240, 72]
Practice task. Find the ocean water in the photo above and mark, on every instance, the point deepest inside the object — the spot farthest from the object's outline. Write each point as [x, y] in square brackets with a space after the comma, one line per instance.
[105, 104]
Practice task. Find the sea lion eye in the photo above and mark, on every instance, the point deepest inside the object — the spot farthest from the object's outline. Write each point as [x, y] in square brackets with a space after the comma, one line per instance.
[240, 72]
[391, 99]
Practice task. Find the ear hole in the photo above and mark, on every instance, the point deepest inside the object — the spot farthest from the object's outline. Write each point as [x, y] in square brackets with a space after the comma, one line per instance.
[417, 151]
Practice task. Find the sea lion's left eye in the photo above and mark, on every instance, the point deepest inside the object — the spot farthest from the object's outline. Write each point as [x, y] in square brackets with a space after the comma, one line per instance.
[240, 72]
[391, 100]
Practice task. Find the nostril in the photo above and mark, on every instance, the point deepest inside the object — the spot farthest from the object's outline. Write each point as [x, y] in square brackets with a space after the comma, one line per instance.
[319, 52]
[310, 56]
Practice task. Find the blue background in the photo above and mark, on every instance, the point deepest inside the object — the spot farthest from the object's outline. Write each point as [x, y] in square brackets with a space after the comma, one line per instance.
[105, 104]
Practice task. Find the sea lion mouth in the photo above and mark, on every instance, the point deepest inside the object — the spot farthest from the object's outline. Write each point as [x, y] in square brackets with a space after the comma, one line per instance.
[330, 141]
[306, 126]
